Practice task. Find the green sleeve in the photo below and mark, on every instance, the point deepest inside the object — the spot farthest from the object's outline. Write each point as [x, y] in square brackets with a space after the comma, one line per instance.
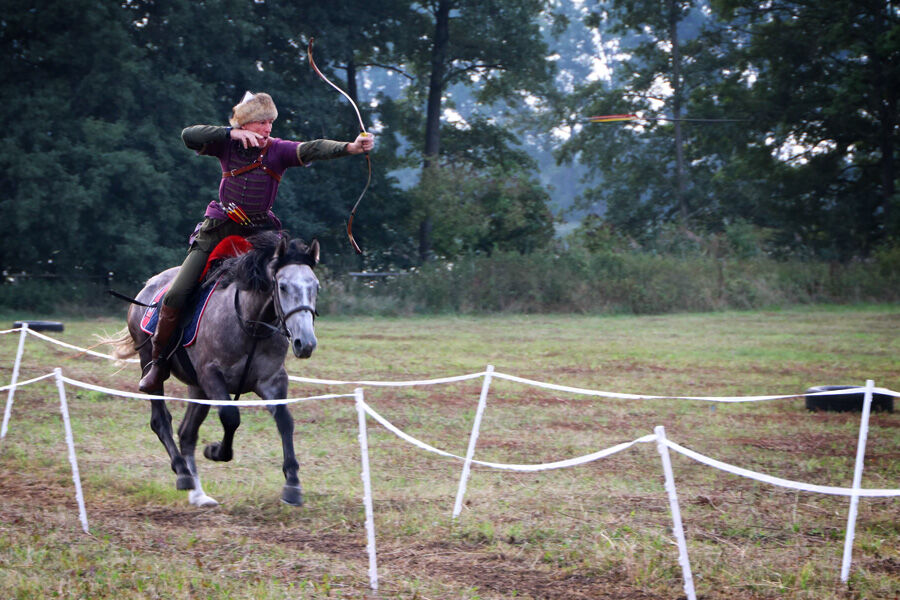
[198, 136]
[321, 150]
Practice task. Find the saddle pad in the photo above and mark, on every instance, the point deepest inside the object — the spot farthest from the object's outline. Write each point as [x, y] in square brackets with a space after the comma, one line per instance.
[189, 332]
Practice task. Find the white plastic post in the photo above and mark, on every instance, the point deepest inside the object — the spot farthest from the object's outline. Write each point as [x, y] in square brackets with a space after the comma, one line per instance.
[677, 528]
[857, 480]
[473, 439]
[70, 441]
[367, 491]
[15, 378]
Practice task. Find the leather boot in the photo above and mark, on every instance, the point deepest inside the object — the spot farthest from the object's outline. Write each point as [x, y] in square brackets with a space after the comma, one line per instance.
[159, 365]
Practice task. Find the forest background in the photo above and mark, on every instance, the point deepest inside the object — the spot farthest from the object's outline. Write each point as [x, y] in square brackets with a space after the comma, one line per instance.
[760, 170]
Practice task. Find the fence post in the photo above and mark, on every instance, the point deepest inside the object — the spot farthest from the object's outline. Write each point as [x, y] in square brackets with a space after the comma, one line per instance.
[70, 442]
[367, 490]
[677, 528]
[857, 480]
[473, 439]
[15, 378]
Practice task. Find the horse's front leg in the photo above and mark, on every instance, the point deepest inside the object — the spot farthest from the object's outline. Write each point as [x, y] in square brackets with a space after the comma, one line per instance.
[276, 388]
[161, 424]
[230, 417]
[187, 437]
[214, 383]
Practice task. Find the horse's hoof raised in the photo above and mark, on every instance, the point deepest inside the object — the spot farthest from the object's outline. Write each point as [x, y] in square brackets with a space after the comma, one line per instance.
[292, 494]
[184, 482]
[215, 452]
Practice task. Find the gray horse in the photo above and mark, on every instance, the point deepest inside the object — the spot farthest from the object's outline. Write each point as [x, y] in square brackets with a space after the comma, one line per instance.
[264, 302]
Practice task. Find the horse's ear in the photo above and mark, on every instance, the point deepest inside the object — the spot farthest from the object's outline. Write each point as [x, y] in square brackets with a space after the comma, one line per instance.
[281, 248]
[313, 251]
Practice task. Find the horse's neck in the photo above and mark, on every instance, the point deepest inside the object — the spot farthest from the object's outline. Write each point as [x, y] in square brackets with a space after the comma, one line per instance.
[253, 305]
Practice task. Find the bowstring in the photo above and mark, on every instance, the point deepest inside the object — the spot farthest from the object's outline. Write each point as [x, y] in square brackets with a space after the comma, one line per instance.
[362, 128]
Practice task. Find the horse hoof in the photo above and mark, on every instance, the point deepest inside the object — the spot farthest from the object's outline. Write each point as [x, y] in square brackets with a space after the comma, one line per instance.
[292, 494]
[184, 482]
[200, 499]
[215, 452]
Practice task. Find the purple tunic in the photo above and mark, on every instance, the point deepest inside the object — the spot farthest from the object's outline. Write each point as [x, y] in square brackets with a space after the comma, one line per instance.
[253, 191]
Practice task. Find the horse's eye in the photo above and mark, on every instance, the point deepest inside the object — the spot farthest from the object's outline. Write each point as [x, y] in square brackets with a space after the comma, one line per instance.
[282, 287]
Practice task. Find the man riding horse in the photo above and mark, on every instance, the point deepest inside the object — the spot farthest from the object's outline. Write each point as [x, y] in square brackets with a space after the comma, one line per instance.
[252, 166]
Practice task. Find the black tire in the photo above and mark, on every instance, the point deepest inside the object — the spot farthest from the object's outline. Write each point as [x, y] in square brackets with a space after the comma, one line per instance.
[851, 401]
[40, 325]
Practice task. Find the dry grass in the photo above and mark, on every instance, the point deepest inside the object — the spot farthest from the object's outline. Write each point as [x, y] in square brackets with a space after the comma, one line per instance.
[596, 531]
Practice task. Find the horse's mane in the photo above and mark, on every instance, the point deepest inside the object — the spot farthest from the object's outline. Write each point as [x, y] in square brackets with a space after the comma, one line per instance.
[250, 271]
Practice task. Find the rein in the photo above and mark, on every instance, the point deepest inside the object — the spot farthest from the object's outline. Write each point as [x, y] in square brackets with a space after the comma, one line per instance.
[280, 325]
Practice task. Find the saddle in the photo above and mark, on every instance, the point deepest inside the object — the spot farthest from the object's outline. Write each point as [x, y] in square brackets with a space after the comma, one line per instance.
[233, 245]
[191, 315]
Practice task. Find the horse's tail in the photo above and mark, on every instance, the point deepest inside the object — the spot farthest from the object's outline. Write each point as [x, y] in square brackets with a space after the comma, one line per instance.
[122, 343]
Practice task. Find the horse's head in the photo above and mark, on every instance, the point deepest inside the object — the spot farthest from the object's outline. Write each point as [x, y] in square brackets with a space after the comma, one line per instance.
[296, 288]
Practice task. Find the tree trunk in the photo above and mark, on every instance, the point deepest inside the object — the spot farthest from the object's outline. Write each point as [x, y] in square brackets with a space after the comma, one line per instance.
[674, 18]
[886, 95]
[352, 90]
[433, 110]
[436, 82]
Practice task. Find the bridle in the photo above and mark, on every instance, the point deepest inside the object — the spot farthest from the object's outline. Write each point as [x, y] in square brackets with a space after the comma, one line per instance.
[279, 309]
[250, 327]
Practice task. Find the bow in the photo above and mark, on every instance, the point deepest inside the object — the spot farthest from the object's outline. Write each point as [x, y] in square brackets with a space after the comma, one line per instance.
[362, 129]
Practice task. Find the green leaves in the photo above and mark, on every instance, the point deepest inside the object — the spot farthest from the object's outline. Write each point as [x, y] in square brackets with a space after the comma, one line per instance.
[814, 159]
[479, 211]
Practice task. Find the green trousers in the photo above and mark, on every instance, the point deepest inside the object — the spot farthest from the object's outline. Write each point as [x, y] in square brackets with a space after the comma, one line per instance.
[211, 232]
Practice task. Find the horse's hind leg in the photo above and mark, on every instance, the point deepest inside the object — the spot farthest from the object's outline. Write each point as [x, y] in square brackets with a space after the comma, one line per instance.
[161, 424]
[291, 493]
[187, 437]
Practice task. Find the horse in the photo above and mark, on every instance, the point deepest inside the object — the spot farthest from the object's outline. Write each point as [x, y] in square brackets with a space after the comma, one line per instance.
[263, 304]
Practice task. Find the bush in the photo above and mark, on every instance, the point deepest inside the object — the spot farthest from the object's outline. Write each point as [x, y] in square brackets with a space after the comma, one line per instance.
[76, 297]
[564, 281]
[638, 283]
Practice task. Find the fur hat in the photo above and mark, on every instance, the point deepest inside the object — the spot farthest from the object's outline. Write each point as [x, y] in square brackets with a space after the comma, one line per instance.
[253, 107]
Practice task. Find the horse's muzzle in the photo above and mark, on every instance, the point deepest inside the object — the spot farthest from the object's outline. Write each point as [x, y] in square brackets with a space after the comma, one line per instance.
[303, 348]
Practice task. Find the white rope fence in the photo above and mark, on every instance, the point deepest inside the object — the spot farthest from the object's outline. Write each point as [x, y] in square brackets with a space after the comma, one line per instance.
[664, 445]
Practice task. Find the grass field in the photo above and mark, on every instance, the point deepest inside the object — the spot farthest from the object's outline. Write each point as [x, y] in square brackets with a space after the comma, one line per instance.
[600, 530]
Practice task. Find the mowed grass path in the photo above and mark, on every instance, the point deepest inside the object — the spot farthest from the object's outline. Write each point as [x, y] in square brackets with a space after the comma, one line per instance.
[600, 530]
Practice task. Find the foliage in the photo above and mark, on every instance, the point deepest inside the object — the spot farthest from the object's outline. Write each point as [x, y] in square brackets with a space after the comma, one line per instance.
[479, 211]
[825, 125]
[809, 152]
[492, 46]
[599, 271]
[802, 167]
[610, 282]
[97, 179]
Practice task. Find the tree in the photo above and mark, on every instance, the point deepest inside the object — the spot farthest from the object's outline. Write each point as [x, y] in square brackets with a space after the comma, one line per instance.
[812, 153]
[651, 170]
[478, 210]
[492, 46]
[85, 172]
[97, 178]
[826, 79]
